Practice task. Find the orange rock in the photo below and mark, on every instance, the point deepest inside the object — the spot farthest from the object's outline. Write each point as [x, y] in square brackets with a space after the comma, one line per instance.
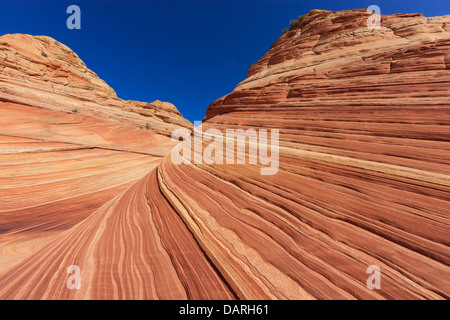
[364, 178]
[41, 72]
[67, 143]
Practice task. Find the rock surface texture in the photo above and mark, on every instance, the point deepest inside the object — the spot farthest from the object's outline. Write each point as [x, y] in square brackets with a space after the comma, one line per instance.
[364, 176]
[68, 145]
[41, 72]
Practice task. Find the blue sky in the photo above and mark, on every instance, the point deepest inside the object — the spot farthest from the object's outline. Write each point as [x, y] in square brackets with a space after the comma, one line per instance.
[186, 52]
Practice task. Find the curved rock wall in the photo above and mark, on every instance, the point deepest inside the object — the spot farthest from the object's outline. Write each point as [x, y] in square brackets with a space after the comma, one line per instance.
[364, 179]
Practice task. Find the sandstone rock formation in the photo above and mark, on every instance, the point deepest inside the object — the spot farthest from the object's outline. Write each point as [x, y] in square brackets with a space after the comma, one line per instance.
[67, 143]
[364, 179]
[41, 72]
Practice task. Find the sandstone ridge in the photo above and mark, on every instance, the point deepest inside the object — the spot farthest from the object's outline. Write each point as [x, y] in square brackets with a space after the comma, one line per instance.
[42, 72]
[364, 180]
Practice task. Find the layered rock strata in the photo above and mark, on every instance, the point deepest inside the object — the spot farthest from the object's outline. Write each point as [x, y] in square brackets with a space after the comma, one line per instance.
[364, 179]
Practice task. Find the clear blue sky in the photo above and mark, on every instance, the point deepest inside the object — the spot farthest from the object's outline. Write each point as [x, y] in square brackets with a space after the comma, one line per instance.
[187, 52]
